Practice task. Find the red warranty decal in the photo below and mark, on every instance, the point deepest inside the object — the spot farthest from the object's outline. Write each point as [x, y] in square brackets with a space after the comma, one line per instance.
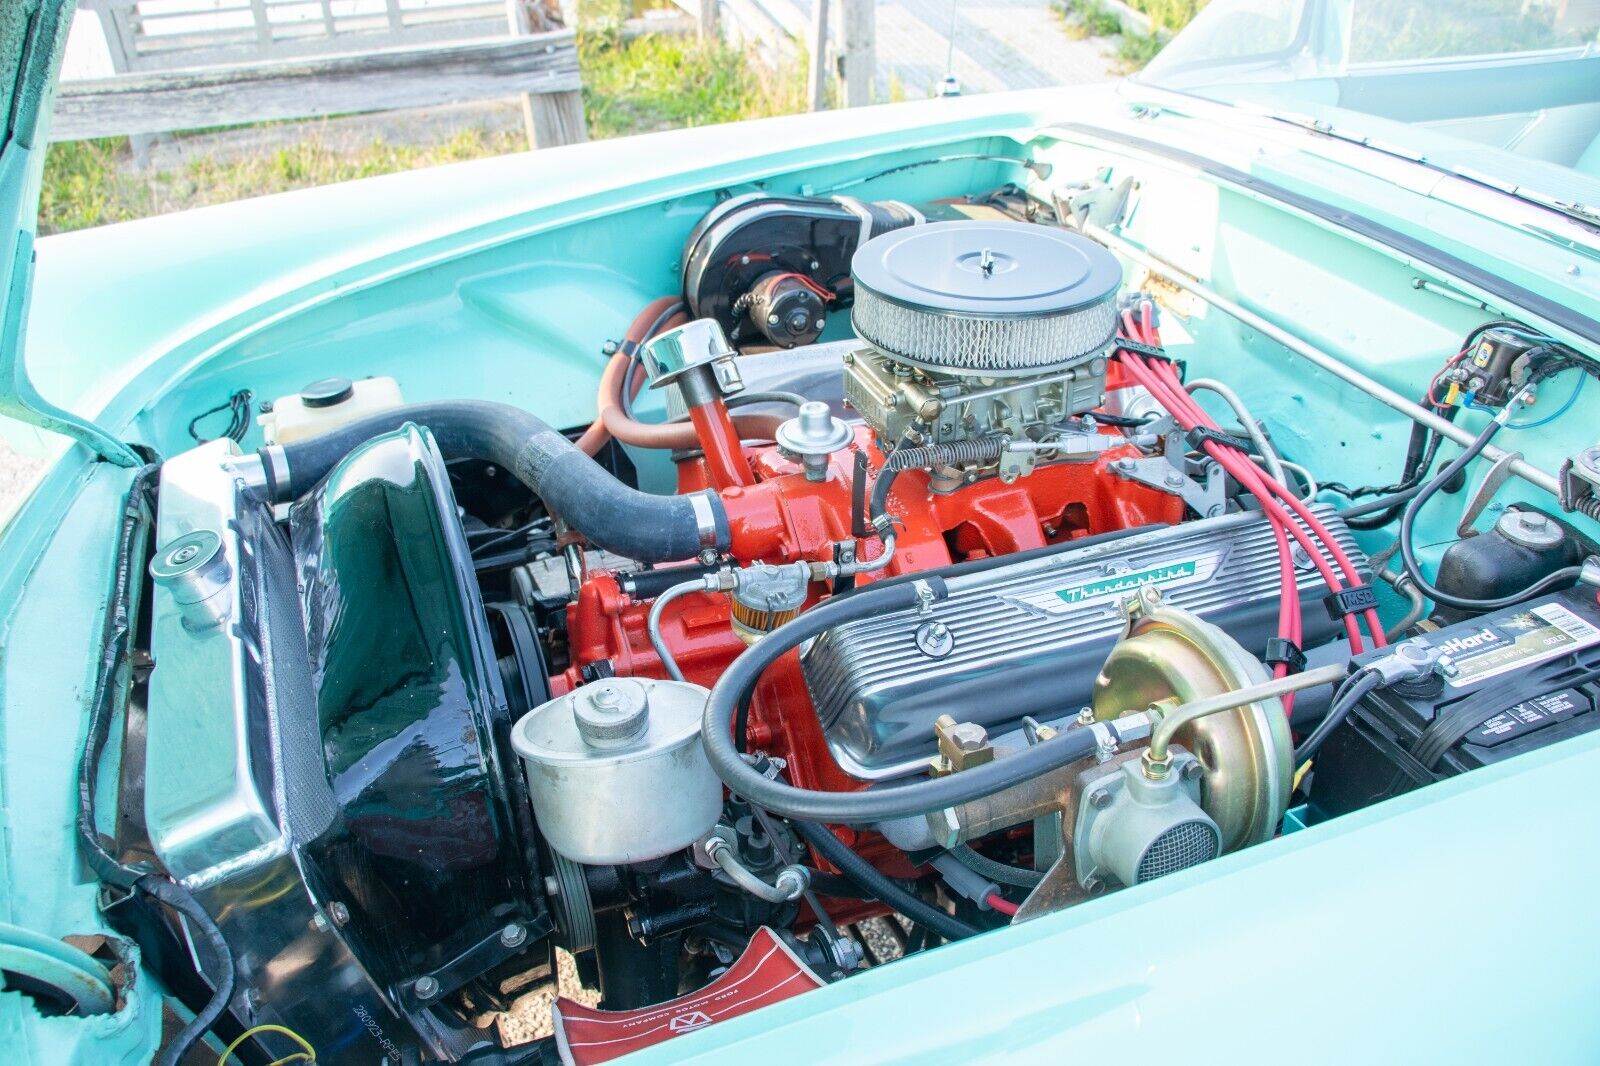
[766, 973]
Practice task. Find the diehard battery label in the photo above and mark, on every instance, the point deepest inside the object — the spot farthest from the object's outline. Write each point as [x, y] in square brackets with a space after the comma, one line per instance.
[1536, 635]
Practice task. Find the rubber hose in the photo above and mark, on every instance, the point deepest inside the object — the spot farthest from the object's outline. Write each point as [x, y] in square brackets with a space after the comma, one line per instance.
[982, 865]
[595, 437]
[879, 884]
[669, 436]
[608, 513]
[873, 805]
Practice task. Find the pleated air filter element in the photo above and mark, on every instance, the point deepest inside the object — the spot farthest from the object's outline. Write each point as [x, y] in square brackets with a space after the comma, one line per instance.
[997, 299]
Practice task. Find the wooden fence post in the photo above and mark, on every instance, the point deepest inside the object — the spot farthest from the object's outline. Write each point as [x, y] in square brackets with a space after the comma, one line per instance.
[817, 73]
[706, 17]
[551, 119]
[860, 58]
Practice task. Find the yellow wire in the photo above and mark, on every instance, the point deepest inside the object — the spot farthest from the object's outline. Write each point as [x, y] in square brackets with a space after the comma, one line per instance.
[308, 1055]
[1300, 773]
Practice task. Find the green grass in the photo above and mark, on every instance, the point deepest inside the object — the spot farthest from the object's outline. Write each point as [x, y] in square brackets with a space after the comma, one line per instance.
[1170, 15]
[655, 82]
[1087, 18]
[665, 81]
[1136, 50]
[85, 185]
[1091, 18]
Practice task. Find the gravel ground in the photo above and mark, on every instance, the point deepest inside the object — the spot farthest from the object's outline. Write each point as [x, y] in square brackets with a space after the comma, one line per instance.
[16, 475]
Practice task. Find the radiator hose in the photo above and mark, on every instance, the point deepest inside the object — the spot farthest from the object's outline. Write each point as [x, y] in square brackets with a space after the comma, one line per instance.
[608, 513]
[737, 683]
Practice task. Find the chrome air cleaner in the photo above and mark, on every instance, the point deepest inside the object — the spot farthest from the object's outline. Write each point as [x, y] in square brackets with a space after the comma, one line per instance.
[995, 299]
[990, 335]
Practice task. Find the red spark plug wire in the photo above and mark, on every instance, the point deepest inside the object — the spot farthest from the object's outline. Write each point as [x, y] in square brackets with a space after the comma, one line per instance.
[1162, 382]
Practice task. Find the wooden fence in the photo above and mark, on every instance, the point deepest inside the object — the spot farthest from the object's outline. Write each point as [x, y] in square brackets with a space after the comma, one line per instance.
[192, 64]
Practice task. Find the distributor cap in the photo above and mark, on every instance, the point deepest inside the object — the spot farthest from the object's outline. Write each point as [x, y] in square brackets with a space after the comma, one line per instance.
[986, 298]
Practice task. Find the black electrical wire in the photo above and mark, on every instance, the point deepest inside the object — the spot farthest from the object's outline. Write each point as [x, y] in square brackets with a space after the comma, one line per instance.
[179, 899]
[1351, 692]
[238, 408]
[1416, 470]
[1408, 556]
[883, 887]
[1395, 503]
[1106, 418]
[506, 560]
[113, 673]
[1421, 451]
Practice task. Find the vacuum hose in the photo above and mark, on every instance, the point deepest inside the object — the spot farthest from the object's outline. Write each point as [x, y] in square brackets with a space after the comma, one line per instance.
[607, 512]
[737, 683]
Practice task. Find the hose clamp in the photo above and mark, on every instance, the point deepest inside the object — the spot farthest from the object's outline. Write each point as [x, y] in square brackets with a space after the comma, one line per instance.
[705, 519]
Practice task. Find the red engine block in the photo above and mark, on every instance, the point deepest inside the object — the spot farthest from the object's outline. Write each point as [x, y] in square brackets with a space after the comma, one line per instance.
[776, 515]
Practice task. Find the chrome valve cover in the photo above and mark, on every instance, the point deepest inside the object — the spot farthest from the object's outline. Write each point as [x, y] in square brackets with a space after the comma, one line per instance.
[1027, 635]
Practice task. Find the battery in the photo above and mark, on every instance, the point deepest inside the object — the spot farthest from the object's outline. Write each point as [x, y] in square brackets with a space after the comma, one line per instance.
[1506, 683]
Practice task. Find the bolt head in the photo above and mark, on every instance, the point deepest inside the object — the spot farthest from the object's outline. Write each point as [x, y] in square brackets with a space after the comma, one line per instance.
[1100, 799]
[1192, 770]
[513, 936]
[425, 988]
[1094, 885]
[339, 913]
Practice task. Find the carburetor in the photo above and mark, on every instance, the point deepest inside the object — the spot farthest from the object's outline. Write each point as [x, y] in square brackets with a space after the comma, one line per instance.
[979, 331]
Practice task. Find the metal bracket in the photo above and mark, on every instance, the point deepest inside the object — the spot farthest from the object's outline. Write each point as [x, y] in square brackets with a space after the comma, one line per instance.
[1097, 202]
[423, 990]
[1497, 474]
[1208, 499]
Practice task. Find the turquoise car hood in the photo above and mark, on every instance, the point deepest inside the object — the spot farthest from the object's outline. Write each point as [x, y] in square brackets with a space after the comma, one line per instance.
[1307, 903]
[33, 34]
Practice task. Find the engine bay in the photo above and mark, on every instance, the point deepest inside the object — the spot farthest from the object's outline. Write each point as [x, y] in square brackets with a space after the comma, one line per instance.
[972, 614]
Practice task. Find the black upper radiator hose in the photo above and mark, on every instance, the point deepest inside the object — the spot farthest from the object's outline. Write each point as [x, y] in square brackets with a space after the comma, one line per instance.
[610, 514]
